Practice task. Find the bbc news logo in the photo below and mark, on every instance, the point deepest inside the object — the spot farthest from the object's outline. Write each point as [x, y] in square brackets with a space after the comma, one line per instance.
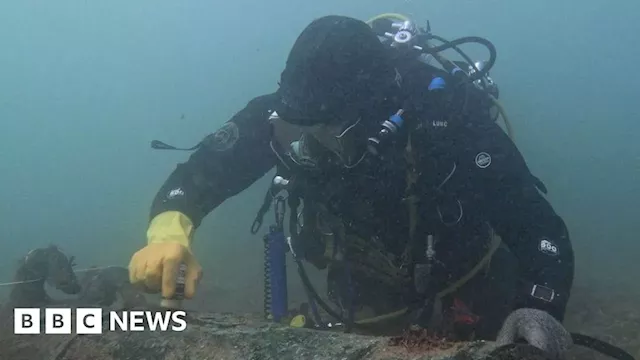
[91, 321]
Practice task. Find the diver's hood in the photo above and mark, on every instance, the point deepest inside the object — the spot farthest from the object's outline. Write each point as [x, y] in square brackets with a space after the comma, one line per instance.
[336, 60]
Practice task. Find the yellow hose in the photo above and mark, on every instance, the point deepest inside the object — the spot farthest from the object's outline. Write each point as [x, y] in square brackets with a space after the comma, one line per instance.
[381, 318]
[387, 16]
[505, 118]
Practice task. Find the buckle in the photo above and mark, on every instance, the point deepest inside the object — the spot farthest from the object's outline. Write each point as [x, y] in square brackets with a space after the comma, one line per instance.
[543, 293]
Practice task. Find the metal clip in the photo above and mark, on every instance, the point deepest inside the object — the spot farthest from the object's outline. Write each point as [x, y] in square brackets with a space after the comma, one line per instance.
[280, 181]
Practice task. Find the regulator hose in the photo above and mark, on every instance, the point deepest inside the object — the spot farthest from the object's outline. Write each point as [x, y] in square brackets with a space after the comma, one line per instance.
[312, 291]
[453, 44]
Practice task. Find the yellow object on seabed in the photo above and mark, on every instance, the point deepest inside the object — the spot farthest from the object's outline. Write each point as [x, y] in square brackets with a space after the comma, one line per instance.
[298, 321]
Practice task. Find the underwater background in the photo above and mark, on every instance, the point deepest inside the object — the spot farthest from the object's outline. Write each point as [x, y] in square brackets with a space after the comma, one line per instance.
[86, 85]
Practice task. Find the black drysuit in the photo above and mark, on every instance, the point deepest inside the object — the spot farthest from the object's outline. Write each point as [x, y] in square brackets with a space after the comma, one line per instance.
[470, 172]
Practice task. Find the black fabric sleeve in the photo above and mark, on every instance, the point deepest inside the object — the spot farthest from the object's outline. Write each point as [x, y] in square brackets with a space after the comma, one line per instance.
[227, 162]
[520, 214]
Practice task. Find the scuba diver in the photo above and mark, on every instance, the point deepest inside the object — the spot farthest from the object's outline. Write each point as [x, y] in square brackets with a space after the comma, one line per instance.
[399, 181]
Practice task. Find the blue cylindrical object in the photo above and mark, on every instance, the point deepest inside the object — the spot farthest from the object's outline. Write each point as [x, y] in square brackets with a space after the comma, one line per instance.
[437, 83]
[397, 120]
[277, 260]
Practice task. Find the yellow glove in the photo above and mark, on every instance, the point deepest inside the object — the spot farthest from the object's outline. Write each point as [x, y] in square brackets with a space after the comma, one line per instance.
[155, 267]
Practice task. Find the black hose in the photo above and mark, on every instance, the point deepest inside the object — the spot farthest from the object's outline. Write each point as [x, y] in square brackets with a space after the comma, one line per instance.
[294, 203]
[312, 291]
[465, 40]
[458, 50]
[601, 346]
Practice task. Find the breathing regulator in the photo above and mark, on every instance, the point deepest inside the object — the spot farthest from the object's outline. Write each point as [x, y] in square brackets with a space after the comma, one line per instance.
[399, 32]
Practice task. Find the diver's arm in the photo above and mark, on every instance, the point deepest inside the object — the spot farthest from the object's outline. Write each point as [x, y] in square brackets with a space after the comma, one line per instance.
[524, 219]
[228, 161]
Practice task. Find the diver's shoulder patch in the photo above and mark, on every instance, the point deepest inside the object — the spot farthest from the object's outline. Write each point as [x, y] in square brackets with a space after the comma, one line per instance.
[224, 138]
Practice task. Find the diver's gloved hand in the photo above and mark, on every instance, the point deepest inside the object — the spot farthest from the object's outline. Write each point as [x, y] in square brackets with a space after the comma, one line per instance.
[155, 267]
[537, 328]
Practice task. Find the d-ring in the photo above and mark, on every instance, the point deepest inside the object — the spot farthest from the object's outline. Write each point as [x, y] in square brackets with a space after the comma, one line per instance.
[454, 222]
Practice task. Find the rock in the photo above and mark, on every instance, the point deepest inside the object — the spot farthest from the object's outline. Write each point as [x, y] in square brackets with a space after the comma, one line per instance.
[231, 337]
